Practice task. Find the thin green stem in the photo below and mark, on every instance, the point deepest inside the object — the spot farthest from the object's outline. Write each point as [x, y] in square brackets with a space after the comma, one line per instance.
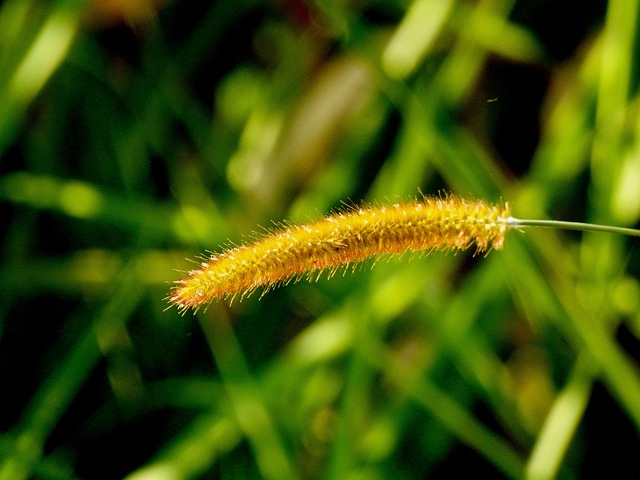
[516, 222]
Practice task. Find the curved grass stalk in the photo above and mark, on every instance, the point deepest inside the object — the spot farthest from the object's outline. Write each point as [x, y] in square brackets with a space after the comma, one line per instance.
[348, 237]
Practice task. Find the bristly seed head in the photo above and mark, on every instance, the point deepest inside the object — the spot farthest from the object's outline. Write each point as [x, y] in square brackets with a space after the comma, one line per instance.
[340, 240]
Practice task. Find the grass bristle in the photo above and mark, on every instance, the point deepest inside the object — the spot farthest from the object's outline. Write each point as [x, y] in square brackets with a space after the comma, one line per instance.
[342, 239]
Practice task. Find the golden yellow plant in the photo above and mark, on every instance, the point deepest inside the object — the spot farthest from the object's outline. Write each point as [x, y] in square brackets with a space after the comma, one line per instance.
[342, 239]
[348, 237]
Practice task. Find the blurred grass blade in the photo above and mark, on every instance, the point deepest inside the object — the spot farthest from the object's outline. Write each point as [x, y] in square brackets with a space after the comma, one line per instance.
[55, 395]
[42, 56]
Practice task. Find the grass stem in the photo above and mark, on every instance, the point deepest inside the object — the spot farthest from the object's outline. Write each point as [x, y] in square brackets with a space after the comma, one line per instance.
[583, 227]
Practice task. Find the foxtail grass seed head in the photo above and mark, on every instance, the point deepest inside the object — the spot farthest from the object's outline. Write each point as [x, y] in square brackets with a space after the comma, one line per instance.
[340, 240]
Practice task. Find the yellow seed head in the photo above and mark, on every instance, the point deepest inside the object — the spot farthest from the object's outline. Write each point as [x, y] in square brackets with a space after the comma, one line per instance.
[341, 239]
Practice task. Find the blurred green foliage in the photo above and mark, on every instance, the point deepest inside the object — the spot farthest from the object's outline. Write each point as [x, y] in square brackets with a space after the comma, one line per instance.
[136, 134]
